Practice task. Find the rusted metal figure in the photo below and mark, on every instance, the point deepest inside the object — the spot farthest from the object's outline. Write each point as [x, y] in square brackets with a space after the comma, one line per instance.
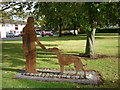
[65, 60]
[29, 47]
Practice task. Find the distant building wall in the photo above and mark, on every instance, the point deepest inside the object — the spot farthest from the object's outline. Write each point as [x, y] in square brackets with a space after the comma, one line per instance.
[7, 27]
[3, 31]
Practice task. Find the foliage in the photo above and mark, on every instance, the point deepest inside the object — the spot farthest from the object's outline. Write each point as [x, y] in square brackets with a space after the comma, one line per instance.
[108, 14]
[15, 9]
[78, 14]
[84, 15]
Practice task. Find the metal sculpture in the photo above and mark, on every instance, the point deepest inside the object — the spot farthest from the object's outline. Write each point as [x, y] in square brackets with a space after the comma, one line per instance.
[67, 60]
[29, 47]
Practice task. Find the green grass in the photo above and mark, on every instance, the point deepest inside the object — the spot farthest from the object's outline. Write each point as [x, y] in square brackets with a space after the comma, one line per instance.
[13, 60]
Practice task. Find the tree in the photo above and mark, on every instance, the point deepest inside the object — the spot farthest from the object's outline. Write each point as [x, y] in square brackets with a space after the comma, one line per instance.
[57, 14]
[71, 14]
[9, 10]
[86, 15]
[99, 14]
[91, 15]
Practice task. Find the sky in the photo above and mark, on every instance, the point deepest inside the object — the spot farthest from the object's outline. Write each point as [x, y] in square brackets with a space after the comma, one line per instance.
[18, 18]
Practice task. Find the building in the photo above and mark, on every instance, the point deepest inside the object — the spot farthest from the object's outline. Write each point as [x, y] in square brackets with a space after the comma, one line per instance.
[8, 25]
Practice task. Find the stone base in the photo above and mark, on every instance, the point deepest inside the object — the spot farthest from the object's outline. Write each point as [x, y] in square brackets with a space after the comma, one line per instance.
[92, 77]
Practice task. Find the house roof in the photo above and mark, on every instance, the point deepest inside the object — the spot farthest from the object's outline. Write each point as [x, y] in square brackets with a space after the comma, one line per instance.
[10, 21]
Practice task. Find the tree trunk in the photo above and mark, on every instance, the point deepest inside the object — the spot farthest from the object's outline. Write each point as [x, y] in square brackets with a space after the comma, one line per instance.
[60, 26]
[60, 29]
[119, 26]
[90, 44]
[74, 30]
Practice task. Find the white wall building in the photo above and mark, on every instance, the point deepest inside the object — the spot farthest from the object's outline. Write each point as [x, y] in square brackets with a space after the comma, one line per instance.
[7, 26]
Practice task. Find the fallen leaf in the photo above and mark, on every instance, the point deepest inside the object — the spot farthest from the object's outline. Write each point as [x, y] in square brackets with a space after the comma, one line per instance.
[78, 87]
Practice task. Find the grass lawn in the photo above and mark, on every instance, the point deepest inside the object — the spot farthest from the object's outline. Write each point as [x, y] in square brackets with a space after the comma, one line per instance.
[13, 60]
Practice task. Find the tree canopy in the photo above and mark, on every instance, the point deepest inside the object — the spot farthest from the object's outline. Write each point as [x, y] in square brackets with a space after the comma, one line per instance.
[71, 15]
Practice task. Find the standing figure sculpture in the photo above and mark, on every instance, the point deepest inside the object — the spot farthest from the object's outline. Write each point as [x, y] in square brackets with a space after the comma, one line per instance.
[29, 47]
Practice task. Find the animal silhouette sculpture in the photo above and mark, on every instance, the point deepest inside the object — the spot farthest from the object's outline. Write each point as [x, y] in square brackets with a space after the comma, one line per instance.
[67, 60]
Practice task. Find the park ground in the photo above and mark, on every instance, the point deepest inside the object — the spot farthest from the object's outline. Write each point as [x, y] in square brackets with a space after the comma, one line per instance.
[106, 44]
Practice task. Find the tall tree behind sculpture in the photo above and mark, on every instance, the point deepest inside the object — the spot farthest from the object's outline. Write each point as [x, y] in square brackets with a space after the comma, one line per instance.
[29, 38]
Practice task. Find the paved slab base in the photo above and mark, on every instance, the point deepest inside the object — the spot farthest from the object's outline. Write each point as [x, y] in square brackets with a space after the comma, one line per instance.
[92, 77]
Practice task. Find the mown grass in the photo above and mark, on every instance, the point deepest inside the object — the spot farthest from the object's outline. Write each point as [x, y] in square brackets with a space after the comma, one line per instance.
[13, 60]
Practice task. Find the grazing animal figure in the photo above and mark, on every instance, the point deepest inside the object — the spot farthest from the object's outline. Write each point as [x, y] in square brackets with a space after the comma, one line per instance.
[67, 60]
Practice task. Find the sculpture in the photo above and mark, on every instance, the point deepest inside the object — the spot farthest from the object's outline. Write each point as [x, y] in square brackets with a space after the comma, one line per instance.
[29, 47]
[67, 60]
[29, 39]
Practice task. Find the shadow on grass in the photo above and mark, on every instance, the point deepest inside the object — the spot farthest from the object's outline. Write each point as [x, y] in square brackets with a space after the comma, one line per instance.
[63, 38]
[106, 34]
[43, 51]
[12, 53]
[106, 38]
[11, 69]
[78, 37]
[46, 56]
[50, 44]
